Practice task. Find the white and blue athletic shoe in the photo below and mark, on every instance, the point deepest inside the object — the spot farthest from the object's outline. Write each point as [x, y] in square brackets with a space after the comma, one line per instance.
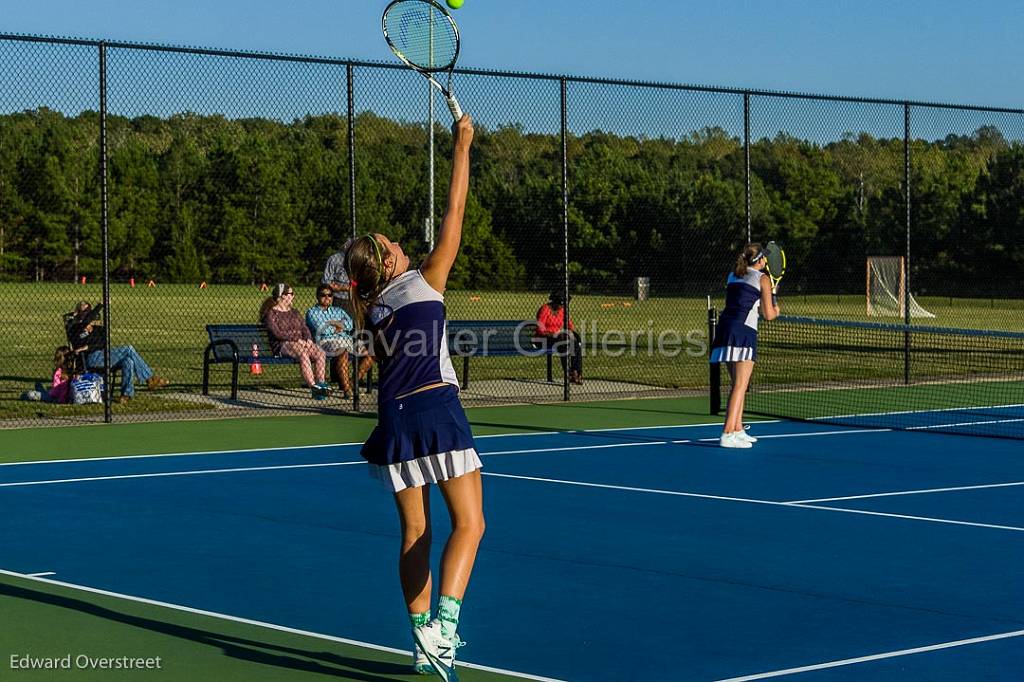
[420, 662]
[439, 650]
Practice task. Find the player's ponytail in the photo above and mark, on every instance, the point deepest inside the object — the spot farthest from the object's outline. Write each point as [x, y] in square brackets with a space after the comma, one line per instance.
[364, 263]
[750, 254]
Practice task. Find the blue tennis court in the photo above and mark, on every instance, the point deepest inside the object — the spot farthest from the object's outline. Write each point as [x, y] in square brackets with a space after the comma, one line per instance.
[825, 552]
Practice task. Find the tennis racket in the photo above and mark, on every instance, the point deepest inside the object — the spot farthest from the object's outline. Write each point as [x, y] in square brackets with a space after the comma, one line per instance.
[774, 265]
[424, 36]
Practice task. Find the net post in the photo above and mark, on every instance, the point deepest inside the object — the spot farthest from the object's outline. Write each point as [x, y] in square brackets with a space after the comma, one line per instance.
[714, 369]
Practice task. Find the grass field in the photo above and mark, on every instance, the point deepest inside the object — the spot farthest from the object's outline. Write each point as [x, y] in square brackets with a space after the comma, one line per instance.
[166, 323]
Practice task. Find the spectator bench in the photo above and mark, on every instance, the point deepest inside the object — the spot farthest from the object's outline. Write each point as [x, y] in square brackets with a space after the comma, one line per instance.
[234, 343]
[483, 338]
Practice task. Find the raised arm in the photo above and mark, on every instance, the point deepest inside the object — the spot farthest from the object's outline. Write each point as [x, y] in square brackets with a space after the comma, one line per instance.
[769, 307]
[438, 263]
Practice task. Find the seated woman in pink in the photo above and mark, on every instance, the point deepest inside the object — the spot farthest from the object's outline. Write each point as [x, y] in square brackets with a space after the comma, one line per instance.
[289, 336]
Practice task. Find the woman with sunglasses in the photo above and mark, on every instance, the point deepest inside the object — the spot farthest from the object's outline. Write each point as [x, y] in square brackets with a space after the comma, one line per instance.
[331, 327]
[290, 337]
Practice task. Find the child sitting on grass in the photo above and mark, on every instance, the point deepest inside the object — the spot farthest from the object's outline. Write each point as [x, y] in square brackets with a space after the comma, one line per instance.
[63, 373]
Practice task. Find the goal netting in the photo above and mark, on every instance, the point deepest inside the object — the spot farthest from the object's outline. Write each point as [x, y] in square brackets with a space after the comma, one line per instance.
[886, 283]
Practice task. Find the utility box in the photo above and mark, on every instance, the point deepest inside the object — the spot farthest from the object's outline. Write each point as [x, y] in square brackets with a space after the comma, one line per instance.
[643, 288]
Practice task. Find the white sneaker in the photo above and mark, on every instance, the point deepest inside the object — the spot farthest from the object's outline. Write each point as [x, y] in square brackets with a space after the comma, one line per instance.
[439, 650]
[733, 440]
[420, 662]
[746, 436]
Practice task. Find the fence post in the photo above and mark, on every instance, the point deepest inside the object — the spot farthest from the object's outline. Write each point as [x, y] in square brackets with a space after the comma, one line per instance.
[746, 162]
[352, 204]
[906, 256]
[570, 340]
[108, 389]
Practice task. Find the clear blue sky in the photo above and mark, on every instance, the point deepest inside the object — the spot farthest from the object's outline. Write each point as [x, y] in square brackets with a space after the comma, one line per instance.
[935, 50]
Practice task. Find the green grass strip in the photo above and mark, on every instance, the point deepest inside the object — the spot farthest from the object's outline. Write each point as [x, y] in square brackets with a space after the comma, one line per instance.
[112, 440]
[42, 619]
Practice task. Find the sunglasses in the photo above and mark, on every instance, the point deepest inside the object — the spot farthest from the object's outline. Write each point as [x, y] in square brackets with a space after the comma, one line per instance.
[323, 294]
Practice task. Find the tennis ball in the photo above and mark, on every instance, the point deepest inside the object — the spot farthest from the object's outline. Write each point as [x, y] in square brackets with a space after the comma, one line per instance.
[455, 4]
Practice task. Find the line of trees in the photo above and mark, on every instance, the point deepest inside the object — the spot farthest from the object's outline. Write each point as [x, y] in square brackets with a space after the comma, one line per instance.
[197, 198]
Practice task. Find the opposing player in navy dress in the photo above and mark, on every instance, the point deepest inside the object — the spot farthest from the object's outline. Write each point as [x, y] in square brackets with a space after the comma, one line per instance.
[748, 296]
[422, 437]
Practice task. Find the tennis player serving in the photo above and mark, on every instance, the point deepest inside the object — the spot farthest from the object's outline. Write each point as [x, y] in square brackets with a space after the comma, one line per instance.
[422, 435]
[748, 295]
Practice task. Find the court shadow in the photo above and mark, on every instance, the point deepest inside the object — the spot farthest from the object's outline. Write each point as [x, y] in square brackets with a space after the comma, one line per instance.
[251, 650]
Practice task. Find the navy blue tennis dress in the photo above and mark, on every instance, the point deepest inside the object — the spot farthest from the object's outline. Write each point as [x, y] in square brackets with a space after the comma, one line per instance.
[424, 437]
[736, 333]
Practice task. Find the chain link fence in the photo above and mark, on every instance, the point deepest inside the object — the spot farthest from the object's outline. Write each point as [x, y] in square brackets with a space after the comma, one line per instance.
[178, 187]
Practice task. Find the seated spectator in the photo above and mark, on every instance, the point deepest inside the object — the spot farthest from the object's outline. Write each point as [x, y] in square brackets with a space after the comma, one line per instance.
[289, 336]
[331, 327]
[551, 330]
[88, 339]
[63, 372]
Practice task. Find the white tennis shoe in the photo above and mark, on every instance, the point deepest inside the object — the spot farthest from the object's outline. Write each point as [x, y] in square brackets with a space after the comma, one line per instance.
[420, 662]
[439, 650]
[746, 436]
[734, 440]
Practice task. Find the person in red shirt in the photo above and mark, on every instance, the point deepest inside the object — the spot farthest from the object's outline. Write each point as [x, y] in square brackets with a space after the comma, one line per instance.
[551, 328]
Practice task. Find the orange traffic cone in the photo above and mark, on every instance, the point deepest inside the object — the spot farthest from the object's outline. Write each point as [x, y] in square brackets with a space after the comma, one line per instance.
[255, 367]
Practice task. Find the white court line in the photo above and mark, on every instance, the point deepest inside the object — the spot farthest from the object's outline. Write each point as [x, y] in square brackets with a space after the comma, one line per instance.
[909, 517]
[161, 474]
[41, 575]
[262, 624]
[340, 445]
[876, 657]
[773, 503]
[947, 409]
[911, 492]
[198, 472]
[231, 470]
[178, 454]
[567, 448]
[946, 426]
[812, 433]
[677, 426]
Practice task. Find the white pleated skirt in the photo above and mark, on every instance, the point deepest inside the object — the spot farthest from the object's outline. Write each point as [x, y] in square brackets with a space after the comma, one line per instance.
[414, 473]
[732, 354]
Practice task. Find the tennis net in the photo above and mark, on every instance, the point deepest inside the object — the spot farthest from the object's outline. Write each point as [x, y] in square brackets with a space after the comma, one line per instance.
[878, 375]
